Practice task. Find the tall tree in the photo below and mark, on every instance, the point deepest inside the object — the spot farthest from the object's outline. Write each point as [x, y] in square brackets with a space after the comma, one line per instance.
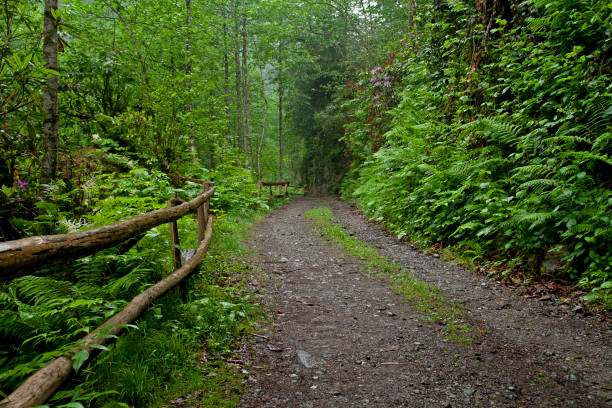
[239, 82]
[188, 68]
[281, 92]
[51, 118]
[245, 91]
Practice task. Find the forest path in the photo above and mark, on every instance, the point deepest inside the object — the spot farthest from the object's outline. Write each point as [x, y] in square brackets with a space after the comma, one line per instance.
[339, 337]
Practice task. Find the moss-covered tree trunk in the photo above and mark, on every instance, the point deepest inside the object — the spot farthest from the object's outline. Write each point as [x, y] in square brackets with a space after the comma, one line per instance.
[49, 98]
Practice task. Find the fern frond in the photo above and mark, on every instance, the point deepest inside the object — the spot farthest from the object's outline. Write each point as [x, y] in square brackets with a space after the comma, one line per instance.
[566, 140]
[603, 143]
[570, 170]
[535, 219]
[539, 184]
[598, 119]
[498, 129]
[127, 282]
[586, 157]
[537, 25]
[582, 228]
[531, 171]
[33, 289]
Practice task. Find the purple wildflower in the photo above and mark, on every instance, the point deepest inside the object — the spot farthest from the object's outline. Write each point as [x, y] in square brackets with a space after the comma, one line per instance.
[377, 83]
[373, 79]
[377, 95]
[387, 83]
[22, 185]
[375, 69]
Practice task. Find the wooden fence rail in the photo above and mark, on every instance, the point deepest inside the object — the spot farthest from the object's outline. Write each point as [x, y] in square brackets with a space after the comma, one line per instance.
[53, 249]
[25, 255]
[270, 184]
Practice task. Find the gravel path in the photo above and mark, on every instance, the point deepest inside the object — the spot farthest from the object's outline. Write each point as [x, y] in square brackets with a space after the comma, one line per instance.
[340, 338]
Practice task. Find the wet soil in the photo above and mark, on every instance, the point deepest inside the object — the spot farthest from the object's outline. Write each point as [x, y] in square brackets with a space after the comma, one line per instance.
[341, 338]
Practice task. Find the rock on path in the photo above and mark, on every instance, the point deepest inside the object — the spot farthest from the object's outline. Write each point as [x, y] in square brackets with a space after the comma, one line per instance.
[340, 338]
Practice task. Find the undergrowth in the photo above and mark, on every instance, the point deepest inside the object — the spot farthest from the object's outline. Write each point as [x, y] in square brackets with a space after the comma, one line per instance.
[424, 297]
[181, 342]
[505, 158]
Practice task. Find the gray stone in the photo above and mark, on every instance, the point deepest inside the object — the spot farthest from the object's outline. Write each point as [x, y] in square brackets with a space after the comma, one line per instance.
[187, 254]
[553, 259]
[309, 360]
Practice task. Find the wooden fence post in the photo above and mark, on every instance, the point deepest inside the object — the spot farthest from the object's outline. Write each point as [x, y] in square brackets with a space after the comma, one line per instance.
[203, 215]
[174, 240]
[286, 185]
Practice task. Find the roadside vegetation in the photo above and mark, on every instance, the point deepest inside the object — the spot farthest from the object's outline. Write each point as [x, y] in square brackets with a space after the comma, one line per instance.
[489, 132]
[179, 346]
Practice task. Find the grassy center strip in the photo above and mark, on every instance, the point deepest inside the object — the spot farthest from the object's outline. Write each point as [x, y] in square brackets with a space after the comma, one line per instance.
[424, 297]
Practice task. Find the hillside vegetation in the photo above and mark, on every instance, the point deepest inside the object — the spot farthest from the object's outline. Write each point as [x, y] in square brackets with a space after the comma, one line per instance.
[489, 131]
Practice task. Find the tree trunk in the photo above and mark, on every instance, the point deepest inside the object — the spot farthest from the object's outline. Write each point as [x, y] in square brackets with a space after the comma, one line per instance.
[263, 125]
[280, 109]
[245, 72]
[51, 118]
[188, 73]
[226, 76]
[239, 83]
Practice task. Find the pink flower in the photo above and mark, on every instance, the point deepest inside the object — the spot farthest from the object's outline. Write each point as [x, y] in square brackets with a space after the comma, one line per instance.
[387, 83]
[375, 69]
[377, 95]
[21, 185]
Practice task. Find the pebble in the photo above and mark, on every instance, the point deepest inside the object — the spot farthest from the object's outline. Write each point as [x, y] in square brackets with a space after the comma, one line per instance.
[544, 298]
[469, 391]
[309, 360]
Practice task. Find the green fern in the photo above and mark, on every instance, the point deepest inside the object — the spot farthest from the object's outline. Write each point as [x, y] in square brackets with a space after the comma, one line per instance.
[538, 185]
[599, 120]
[582, 229]
[538, 25]
[602, 144]
[534, 219]
[129, 281]
[497, 129]
[34, 289]
[531, 171]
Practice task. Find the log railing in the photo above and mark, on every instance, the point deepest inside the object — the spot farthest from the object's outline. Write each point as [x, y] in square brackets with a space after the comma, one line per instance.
[19, 257]
[271, 184]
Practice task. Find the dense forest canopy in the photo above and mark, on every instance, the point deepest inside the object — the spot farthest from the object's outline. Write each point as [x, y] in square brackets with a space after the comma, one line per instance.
[479, 125]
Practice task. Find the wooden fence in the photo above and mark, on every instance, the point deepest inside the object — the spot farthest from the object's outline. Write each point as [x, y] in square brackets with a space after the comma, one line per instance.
[25, 255]
[270, 184]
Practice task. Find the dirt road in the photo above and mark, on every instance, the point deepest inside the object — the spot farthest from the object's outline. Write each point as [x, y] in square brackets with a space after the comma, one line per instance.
[341, 338]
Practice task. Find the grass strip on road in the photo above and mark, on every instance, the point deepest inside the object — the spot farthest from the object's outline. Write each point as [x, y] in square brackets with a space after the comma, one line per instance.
[434, 306]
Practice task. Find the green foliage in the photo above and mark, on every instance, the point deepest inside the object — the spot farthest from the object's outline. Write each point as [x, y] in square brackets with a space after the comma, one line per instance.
[42, 316]
[504, 159]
